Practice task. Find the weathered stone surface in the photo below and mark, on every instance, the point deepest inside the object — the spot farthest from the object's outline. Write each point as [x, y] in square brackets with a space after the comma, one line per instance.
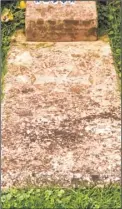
[61, 115]
[50, 22]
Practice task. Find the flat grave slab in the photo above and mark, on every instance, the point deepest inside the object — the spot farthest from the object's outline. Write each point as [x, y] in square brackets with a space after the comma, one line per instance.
[60, 115]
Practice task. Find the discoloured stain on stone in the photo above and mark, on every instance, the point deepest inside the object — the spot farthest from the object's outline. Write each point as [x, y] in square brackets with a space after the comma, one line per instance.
[61, 115]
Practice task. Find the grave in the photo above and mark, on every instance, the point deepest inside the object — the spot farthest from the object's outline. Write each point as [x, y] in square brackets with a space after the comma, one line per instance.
[61, 110]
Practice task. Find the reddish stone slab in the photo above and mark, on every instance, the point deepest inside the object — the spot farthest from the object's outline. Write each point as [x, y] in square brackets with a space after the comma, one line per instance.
[61, 115]
[52, 22]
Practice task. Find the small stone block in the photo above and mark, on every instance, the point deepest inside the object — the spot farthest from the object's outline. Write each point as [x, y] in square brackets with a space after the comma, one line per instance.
[58, 22]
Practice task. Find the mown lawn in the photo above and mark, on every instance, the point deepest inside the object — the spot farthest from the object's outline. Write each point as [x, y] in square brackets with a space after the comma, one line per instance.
[58, 198]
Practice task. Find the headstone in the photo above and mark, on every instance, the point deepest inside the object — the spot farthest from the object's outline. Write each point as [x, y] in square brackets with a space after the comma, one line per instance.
[58, 22]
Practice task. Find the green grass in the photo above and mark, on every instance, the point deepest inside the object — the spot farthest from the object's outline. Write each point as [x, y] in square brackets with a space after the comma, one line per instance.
[109, 20]
[114, 18]
[59, 198]
[7, 30]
